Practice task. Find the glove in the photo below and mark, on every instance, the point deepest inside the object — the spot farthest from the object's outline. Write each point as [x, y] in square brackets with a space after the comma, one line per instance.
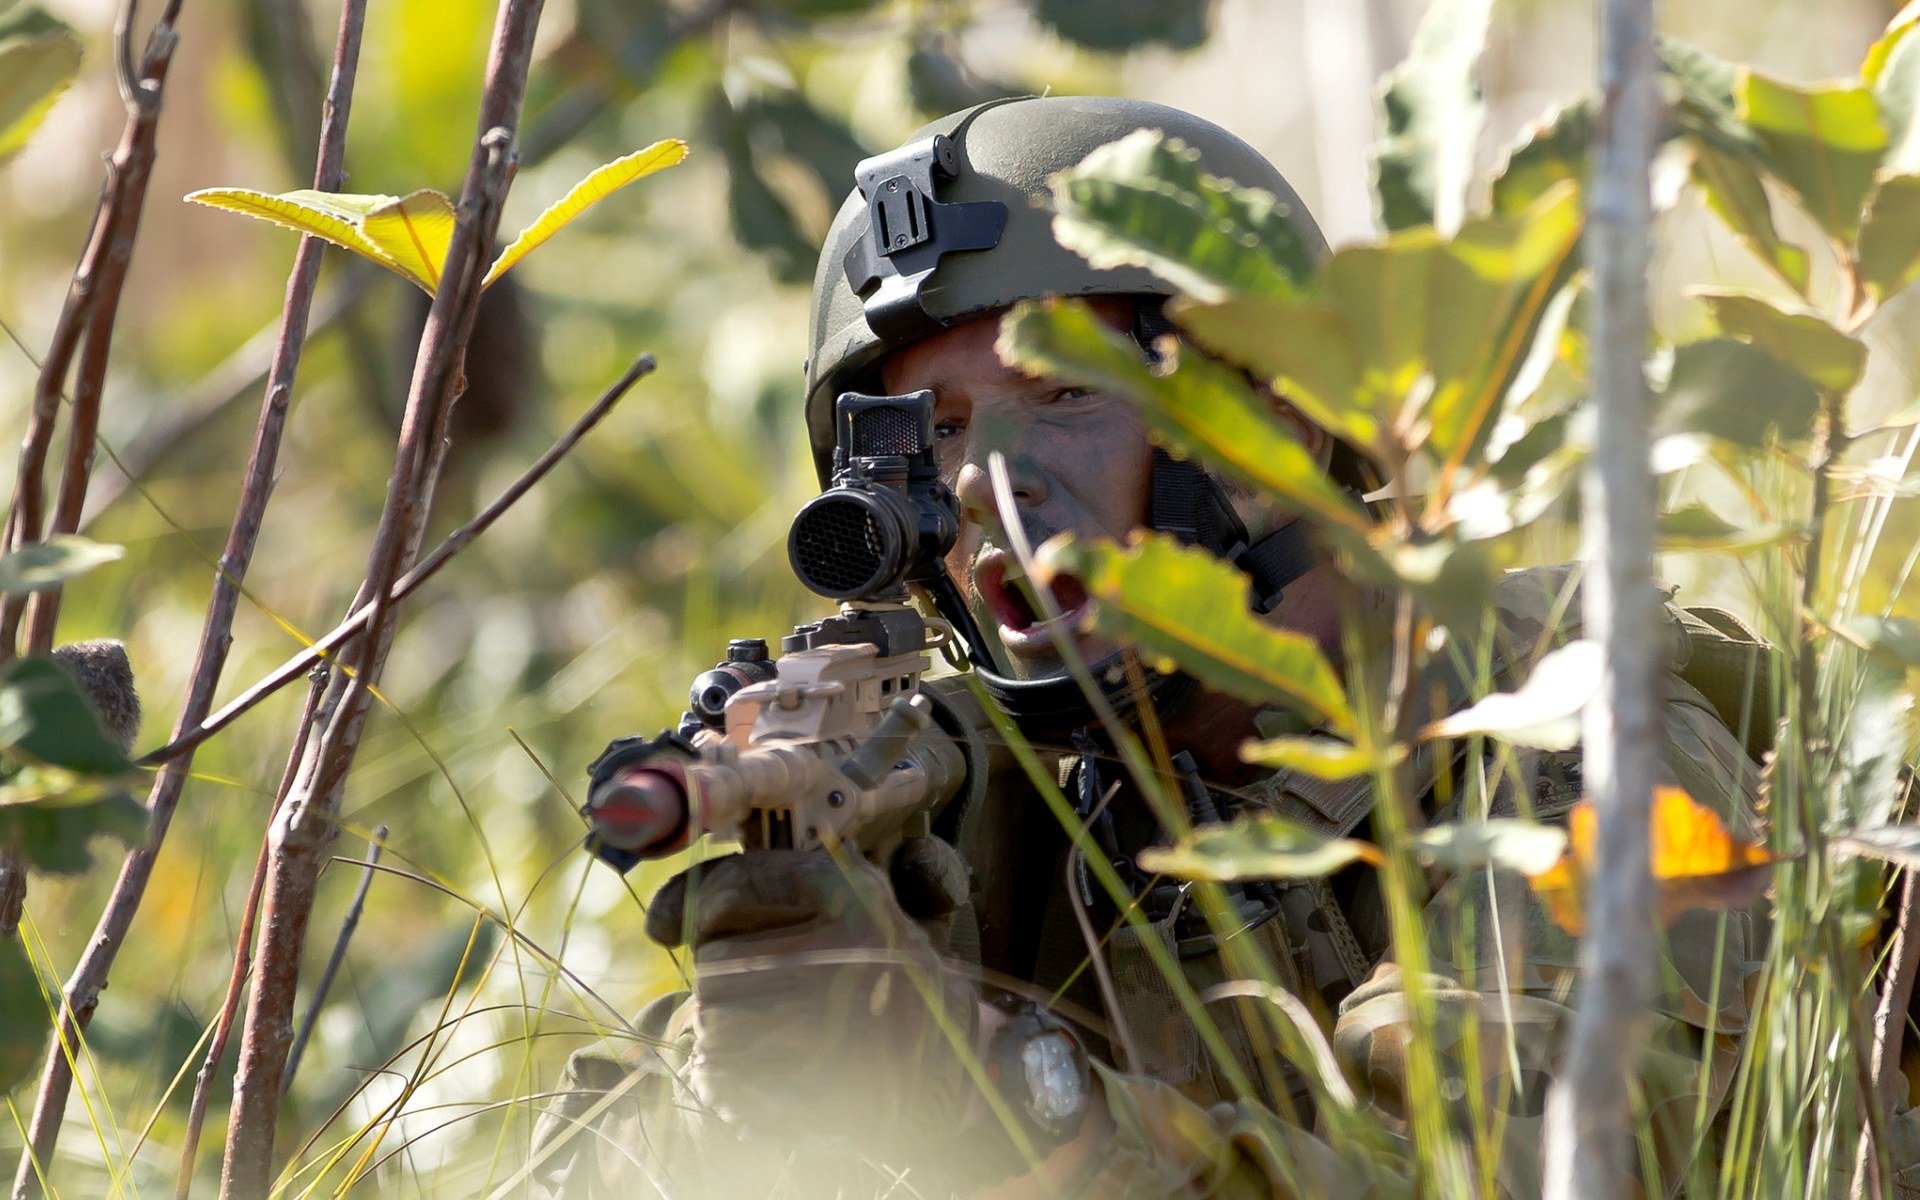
[824, 1022]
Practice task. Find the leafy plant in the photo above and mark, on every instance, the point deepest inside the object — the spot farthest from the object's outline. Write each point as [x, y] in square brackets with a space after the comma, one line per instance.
[409, 235]
[39, 57]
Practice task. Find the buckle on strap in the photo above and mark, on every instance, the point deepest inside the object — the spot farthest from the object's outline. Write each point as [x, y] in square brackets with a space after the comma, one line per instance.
[908, 231]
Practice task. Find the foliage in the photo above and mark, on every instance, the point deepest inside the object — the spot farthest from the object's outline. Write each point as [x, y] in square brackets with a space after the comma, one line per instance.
[409, 235]
[39, 57]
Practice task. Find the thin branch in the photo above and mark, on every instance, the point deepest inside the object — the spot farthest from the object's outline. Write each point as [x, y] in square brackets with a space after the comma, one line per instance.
[323, 649]
[82, 995]
[339, 955]
[305, 825]
[1589, 1140]
[1890, 1020]
[242, 965]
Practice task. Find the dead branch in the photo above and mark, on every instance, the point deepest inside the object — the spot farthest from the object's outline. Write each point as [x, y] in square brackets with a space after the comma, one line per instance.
[323, 649]
[324, 984]
[305, 824]
[82, 995]
[1589, 1127]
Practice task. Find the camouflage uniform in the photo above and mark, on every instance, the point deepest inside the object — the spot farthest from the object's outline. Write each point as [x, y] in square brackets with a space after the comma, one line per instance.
[1179, 1129]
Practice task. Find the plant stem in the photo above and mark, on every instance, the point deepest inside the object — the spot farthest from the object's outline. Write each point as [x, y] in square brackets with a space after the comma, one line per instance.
[306, 823]
[1589, 1140]
[428, 567]
[325, 982]
[82, 994]
[85, 328]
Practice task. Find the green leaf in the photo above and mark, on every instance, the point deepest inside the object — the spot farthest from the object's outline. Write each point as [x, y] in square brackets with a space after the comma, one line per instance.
[1735, 193]
[1321, 757]
[1432, 113]
[1798, 336]
[55, 832]
[1550, 151]
[415, 232]
[1696, 528]
[45, 720]
[1890, 39]
[25, 1014]
[1513, 845]
[1889, 249]
[940, 82]
[1260, 846]
[1415, 340]
[39, 566]
[1177, 602]
[1544, 712]
[1894, 641]
[1897, 92]
[1188, 401]
[600, 183]
[760, 218]
[1737, 393]
[1897, 844]
[1143, 201]
[1116, 25]
[39, 58]
[330, 216]
[1824, 143]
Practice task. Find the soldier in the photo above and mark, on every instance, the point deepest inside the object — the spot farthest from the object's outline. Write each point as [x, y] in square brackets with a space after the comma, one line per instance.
[835, 1041]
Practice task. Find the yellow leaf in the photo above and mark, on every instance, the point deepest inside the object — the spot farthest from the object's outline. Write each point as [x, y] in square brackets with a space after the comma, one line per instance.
[320, 214]
[1696, 862]
[600, 183]
[415, 232]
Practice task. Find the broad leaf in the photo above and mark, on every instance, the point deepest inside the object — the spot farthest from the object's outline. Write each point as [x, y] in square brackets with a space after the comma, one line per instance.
[324, 215]
[1432, 114]
[42, 565]
[56, 833]
[39, 57]
[1321, 757]
[1545, 711]
[1799, 337]
[1696, 528]
[1183, 604]
[1737, 393]
[1144, 201]
[1261, 846]
[1734, 192]
[1513, 845]
[45, 720]
[1123, 24]
[1895, 35]
[1897, 91]
[1897, 844]
[25, 1014]
[1824, 143]
[1419, 337]
[761, 219]
[415, 232]
[600, 183]
[1697, 863]
[1889, 248]
[1876, 743]
[1894, 641]
[1551, 150]
[1188, 401]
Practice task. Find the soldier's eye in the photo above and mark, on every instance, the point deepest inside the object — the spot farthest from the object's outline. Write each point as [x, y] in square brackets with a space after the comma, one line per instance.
[1069, 395]
[942, 430]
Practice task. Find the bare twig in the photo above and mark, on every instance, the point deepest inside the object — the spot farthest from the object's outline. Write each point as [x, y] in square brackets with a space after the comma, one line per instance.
[1890, 1019]
[82, 994]
[458, 540]
[242, 965]
[84, 328]
[325, 982]
[1589, 1127]
[305, 825]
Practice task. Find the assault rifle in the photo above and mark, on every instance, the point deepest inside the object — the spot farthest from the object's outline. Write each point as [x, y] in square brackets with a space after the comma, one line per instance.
[835, 743]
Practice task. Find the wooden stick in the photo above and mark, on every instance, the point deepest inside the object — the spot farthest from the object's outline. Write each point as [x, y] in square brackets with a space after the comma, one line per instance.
[1589, 1138]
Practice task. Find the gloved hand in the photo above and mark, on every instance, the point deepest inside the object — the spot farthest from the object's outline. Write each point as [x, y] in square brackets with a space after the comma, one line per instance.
[821, 1001]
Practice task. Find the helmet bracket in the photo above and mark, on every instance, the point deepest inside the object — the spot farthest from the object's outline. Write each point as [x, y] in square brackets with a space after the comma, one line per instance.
[908, 231]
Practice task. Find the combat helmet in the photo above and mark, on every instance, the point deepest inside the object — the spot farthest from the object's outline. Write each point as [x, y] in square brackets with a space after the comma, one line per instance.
[963, 207]
[955, 223]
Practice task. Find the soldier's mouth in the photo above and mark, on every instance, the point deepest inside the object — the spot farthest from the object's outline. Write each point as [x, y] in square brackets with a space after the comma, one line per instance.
[1024, 629]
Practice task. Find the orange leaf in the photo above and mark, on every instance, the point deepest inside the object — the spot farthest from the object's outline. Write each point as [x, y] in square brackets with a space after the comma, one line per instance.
[1696, 862]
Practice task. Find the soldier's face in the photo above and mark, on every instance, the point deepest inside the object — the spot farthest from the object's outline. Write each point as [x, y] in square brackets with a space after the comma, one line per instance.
[1078, 461]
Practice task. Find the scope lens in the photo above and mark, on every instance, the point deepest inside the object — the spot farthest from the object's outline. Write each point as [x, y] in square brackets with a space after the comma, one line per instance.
[846, 543]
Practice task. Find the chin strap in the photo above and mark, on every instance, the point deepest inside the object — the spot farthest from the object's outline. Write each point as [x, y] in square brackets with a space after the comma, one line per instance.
[1188, 503]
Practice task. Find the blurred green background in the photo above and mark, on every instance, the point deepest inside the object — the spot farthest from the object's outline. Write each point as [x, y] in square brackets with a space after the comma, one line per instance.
[584, 614]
